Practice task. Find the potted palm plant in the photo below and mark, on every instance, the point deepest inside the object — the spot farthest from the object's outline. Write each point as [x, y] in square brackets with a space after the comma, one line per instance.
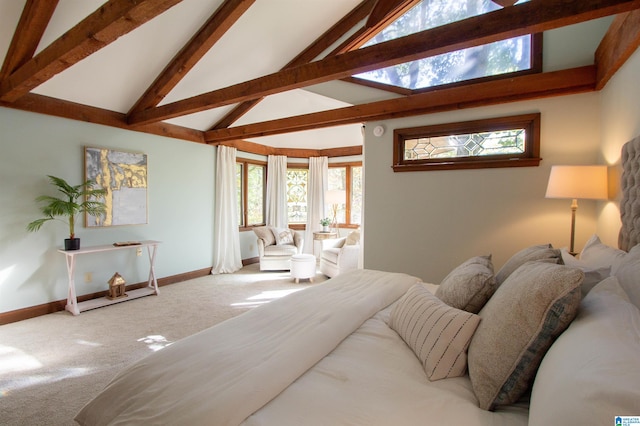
[75, 199]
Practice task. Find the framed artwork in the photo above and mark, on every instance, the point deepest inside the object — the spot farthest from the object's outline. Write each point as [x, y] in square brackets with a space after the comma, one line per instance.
[124, 175]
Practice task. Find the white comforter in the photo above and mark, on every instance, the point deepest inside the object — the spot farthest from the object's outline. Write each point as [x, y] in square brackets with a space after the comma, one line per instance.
[288, 363]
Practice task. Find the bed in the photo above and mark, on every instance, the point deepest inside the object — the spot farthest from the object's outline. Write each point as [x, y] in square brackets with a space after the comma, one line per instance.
[546, 338]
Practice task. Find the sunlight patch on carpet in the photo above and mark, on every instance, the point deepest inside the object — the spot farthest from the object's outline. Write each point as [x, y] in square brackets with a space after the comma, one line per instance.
[13, 360]
[265, 297]
[39, 379]
[155, 342]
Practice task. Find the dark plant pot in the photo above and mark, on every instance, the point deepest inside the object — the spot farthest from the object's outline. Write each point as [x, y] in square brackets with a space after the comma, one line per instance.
[72, 243]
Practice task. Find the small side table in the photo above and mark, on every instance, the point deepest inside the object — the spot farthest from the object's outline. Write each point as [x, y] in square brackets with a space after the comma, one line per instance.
[319, 236]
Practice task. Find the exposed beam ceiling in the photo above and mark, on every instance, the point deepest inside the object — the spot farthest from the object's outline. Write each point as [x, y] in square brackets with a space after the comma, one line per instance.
[35, 17]
[221, 21]
[472, 95]
[22, 71]
[114, 19]
[306, 56]
[531, 17]
[622, 39]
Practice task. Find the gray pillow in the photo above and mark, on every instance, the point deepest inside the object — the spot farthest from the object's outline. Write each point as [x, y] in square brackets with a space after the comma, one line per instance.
[470, 285]
[542, 252]
[534, 305]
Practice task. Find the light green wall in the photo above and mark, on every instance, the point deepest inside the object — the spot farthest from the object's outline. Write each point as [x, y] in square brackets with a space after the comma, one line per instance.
[180, 202]
[426, 223]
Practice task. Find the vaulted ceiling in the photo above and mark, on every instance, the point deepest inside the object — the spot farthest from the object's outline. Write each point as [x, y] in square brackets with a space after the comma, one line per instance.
[274, 72]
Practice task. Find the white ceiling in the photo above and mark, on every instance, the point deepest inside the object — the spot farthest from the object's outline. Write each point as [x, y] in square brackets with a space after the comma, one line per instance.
[265, 38]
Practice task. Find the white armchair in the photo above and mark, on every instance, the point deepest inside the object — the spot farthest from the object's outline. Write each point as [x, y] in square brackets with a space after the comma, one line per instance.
[340, 254]
[273, 256]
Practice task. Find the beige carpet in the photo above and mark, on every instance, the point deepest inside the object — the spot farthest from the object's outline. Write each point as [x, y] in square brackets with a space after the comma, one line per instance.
[52, 365]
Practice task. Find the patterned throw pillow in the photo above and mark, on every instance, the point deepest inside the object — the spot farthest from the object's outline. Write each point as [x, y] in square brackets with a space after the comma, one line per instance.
[437, 333]
[283, 236]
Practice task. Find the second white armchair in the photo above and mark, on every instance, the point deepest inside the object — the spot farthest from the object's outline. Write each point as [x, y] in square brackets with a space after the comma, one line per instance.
[340, 254]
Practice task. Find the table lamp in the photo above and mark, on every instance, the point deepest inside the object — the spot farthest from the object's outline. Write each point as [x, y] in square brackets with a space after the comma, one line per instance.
[573, 182]
[334, 198]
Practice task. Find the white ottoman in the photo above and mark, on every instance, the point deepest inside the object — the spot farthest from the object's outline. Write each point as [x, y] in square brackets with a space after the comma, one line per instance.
[303, 266]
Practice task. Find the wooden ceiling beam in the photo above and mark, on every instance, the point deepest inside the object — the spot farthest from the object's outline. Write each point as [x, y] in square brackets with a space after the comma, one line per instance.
[307, 55]
[33, 21]
[112, 20]
[204, 39]
[617, 45]
[532, 17]
[66, 109]
[255, 148]
[474, 95]
[384, 13]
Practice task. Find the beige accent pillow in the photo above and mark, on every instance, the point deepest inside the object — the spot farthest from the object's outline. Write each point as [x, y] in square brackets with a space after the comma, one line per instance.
[437, 333]
[470, 285]
[352, 239]
[265, 234]
[527, 312]
[283, 236]
[542, 252]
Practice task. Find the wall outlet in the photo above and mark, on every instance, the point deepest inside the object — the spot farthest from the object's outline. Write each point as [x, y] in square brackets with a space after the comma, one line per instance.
[88, 277]
[139, 251]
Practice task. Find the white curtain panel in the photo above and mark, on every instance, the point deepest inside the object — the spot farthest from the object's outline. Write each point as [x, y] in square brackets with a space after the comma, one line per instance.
[227, 257]
[277, 191]
[316, 187]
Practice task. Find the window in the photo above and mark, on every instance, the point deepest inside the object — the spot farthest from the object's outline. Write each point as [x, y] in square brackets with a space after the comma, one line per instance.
[251, 185]
[518, 54]
[500, 142]
[348, 177]
[297, 179]
[345, 176]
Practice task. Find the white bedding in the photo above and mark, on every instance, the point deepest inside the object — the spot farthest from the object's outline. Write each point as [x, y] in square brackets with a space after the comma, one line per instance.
[288, 363]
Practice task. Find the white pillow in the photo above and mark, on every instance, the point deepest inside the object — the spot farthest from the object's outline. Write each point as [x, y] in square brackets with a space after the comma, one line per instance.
[596, 255]
[437, 333]
[592, 371]
[592, 276]
[628, 274]
[283, 236]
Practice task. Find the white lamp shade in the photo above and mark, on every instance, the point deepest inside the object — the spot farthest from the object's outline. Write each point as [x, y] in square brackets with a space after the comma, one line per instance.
[583, 182]
[336, 196]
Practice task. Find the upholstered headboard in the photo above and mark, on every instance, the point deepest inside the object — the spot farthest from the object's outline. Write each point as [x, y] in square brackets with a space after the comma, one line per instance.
[630, 203]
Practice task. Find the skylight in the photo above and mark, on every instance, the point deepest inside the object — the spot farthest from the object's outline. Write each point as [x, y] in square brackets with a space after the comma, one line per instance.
[492, 59]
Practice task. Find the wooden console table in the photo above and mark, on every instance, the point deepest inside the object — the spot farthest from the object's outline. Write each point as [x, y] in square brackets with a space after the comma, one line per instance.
[72, 301]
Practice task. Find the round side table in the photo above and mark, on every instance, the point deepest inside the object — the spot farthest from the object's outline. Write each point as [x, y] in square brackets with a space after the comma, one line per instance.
[303, 266]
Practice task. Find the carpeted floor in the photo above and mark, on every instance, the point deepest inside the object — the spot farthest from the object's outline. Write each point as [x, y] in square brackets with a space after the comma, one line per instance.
[52, 365]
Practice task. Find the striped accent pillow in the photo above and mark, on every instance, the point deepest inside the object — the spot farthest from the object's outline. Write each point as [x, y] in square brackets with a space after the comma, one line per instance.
[437, 333]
